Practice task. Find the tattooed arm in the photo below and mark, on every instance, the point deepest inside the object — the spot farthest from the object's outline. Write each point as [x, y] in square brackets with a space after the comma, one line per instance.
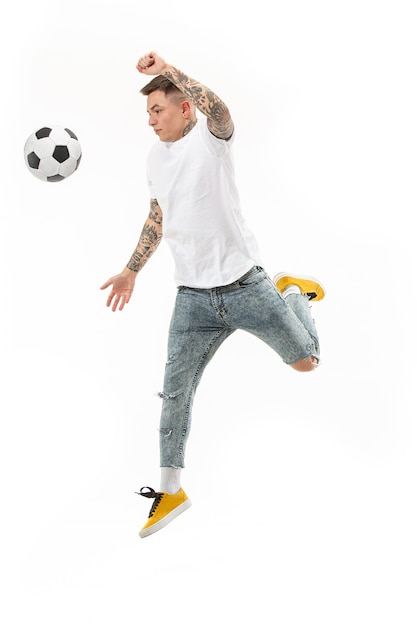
[124, 283]
[149, 239]
[219, 120]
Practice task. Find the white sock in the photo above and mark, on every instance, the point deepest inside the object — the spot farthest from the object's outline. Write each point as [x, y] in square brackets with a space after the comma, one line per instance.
[170, 479]
[290, 289]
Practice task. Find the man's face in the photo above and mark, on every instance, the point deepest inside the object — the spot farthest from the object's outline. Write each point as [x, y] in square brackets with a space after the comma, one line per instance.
[167, 117]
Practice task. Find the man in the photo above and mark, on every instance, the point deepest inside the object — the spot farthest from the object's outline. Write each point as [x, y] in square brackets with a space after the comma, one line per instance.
[221, 284]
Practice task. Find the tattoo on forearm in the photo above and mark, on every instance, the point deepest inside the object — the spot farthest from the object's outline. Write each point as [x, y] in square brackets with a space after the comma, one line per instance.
[149, 239]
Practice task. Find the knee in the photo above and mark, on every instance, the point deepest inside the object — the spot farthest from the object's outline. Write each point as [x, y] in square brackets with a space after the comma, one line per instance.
[305, 365]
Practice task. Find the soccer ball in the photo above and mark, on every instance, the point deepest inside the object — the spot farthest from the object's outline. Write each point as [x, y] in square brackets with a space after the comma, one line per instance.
[52, 153]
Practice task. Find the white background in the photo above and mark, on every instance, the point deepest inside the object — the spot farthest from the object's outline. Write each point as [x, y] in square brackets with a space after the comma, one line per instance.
[303, 486]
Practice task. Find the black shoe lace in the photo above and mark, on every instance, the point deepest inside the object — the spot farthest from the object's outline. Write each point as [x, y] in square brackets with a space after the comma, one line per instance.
[151, 494]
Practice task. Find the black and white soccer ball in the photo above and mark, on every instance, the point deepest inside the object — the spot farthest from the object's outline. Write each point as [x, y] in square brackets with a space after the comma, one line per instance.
[52, 153]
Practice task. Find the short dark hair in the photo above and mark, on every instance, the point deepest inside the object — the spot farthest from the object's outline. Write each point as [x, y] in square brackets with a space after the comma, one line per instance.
[163, 84]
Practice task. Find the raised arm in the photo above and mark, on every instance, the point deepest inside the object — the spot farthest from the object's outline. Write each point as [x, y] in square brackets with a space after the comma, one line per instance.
[124, 283]
[219, 120]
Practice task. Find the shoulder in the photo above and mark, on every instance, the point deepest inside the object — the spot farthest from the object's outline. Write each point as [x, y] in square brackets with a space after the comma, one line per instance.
[218, 144]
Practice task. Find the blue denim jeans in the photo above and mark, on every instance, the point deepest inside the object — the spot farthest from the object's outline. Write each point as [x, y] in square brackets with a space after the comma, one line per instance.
[202, 320]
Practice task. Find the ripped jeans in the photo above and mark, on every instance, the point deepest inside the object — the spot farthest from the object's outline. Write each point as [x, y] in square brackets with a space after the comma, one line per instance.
[202, 320]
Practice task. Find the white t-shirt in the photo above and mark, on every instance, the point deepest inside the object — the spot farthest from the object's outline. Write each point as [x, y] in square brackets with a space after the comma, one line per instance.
[193, 181]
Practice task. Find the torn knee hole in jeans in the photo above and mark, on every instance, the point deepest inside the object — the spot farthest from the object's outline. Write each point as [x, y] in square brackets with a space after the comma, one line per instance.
[166, 432]
[165, 396]
[168, 396]
[170, 359]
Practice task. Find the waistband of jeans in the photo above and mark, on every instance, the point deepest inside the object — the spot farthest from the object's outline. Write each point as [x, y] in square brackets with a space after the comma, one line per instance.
[253, 270]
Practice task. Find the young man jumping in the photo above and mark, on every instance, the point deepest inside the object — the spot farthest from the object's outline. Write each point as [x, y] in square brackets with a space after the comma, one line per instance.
[222, 287]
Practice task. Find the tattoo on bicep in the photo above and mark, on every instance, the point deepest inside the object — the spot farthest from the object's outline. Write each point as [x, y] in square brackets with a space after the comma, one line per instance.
[207, 102]
[221, 123]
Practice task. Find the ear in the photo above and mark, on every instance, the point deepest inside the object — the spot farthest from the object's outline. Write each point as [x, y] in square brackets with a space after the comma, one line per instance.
[186, 109]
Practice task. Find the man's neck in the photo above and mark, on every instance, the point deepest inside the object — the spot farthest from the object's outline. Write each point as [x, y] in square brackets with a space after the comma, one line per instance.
[190, 126]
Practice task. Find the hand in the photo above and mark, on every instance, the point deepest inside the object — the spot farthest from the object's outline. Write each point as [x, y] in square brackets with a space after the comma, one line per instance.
[123, 285]
[151, 64]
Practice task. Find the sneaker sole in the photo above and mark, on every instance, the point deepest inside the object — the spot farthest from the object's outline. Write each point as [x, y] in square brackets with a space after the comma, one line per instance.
[307, 284]
[165, 520]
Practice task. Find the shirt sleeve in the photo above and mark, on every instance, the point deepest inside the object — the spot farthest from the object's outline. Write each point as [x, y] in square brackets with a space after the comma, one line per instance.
[217, 146]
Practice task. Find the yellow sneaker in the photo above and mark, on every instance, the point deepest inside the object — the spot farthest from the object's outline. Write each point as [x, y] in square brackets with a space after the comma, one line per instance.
[308, 285]
[165, 508]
